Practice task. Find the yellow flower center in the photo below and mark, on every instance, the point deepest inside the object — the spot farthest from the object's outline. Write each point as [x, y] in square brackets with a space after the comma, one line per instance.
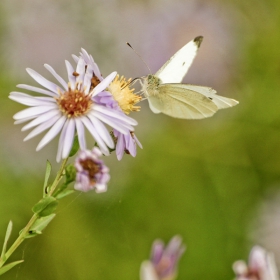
[124, 95]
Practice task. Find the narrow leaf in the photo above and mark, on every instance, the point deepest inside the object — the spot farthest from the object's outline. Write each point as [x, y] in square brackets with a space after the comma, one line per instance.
[7, 236]
[70, 174]
[64, 193]
[41, 224]
[9, 266]
[45, 206]
[47, 176]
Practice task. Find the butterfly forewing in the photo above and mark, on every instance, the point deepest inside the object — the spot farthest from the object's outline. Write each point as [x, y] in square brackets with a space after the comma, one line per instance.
[175, 69]
[178, 102]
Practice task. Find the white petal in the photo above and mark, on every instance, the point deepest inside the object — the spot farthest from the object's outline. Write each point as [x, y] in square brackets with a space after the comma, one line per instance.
[81, 133]
[70, 71]
[40, 128]
[33, 111]
[62, 82]
[85, 55]
[87, 78]
[43, 81]
[76, 58]
[69, 138]
[51, 133]
[24, 120]
[95, 135]
[114, 123]
[41, 119]
[115, 114]
[104, 84]
[60, 143]
[36, 89]
[103, 132]
[29, 100]
[43, 98]
[80, 69]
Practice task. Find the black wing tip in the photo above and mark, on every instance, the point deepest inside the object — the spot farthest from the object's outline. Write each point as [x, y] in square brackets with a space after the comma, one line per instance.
[198, 40]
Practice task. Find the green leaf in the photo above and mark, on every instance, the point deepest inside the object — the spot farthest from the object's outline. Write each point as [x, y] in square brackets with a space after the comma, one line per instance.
[47, 176]
[40, 224]
[64, 193]
[7, 236]
[75, 146]
[45, 206]
[70, 173]
[9, 266]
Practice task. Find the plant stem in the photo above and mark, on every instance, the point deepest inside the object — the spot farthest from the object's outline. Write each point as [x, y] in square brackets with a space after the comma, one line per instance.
[58, 177]
[19, 240]
[34, 218]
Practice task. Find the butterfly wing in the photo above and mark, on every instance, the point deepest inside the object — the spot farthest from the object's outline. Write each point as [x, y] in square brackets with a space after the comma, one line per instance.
[221, 101]
[175, 69]
[178, 101]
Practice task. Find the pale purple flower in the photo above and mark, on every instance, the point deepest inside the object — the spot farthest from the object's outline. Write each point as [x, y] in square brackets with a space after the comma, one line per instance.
[71, 106]
[126, 143]
[91, 171]
[164, 260]
[261, 266]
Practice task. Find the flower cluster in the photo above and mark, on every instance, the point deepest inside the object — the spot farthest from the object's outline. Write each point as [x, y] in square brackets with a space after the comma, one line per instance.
[85, 101]
[91, 171]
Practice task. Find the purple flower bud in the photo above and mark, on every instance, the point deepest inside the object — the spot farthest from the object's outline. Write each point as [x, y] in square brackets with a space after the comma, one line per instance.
[91, 171]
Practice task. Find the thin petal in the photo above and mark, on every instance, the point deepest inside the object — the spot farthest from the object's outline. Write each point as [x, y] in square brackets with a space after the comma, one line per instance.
[103, 132]
[76, 58]
[80, 69]
[101, 86]
[70, 71]
[114, 123]
[43, 81]
[120, 147]
[24, 120]
[53, 72]
[60, 143]
[96, 136]
[41, 119]
[29, 100]
[69, 138]
[51, 133]
[33, 111]
[36, 89]
[115, 114]
[87, 78]
[43, 98]
[81, 133]
[40, 128]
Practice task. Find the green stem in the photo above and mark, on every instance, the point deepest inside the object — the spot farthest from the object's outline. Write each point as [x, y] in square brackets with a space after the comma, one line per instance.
[58, 177]
[19, 240]
[34, 218]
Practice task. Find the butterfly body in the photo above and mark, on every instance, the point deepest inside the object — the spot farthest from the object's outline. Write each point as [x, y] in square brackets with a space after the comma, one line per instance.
[167, 95]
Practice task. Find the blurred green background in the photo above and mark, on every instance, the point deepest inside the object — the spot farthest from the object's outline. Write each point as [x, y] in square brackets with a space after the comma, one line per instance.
[214, 181]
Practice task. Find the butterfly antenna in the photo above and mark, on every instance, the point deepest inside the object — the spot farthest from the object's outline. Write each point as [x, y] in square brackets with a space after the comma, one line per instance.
[139, 57]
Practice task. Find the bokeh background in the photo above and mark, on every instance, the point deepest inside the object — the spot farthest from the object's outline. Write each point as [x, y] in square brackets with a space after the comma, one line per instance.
[214, 181]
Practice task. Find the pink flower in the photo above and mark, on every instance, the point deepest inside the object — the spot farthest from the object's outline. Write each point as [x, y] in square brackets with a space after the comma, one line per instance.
[261, 266]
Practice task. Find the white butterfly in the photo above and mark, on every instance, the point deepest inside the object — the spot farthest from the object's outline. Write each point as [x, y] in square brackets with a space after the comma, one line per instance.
[167, 95]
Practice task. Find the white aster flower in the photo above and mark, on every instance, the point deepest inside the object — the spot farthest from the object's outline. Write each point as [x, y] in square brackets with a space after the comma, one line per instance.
[70, 107]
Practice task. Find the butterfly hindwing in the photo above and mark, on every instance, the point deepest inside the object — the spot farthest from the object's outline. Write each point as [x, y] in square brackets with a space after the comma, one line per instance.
[179, 102]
